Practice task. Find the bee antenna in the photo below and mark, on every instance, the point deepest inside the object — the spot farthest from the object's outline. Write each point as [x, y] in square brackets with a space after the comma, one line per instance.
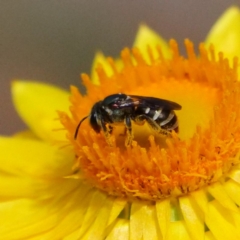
[78, 126]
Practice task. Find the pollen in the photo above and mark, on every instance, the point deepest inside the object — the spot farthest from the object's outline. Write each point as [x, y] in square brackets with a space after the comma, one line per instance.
[155, 167]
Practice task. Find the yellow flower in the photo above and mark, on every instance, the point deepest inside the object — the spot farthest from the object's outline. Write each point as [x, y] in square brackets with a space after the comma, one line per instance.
[183, 187]
[225, 34]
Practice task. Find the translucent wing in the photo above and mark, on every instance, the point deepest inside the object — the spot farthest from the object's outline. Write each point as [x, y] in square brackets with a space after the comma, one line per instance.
[151, 102]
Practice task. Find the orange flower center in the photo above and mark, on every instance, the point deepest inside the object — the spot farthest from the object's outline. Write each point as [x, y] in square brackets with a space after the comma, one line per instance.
[155, 166]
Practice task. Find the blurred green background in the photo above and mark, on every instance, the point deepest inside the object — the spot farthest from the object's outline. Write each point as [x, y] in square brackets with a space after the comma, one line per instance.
[54, 41]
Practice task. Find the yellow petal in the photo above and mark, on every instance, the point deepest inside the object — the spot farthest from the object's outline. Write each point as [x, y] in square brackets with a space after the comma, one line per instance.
[37, 104]
[136, 223]
[221, 221]
[216, 217]
[149, 219]
[225, 33]
[120, 230]
[143, 221]
[163, 215]
[147, 37]
[177, 231]
[118, 205]
[194, 224]
[69, 214]
[86, 204]
[233, 190]
[26, 134]
[209, 236]
[102, 60]
[235, 175]
[96, 203]
[23, 218]
[200, 197]
[51, 219]
[34, 158]
[31, 168]
[97, 229]
[16, 186]
[217, 191]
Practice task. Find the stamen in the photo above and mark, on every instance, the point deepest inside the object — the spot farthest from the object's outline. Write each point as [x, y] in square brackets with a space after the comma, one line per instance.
[155, 167]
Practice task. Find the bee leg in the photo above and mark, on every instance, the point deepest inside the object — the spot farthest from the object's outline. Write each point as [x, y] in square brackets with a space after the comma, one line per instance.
[128, 125]
[110, 129]
[140, 119]
[107, 132]
[157, 128]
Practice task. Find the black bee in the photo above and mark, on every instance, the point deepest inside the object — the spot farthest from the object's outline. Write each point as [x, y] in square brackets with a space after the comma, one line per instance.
[123, 109]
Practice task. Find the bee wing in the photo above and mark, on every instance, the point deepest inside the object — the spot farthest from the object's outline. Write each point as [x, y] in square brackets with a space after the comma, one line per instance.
[154, 103]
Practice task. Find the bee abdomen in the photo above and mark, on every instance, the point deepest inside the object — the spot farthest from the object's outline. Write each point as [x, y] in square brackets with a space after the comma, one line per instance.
[168, 120]
[171, 123]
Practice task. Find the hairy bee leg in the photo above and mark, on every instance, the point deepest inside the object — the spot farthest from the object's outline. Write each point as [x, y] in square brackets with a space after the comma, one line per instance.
[128, 125]
[157, 128]
[107, 137]
[140, 119]
[110, 129]
[107, 132]
[165, 132]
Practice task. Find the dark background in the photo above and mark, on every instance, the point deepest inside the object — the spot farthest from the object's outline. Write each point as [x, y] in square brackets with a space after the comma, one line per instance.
[55, 40]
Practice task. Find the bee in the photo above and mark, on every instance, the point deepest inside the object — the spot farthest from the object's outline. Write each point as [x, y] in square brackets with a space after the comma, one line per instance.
[122, 109]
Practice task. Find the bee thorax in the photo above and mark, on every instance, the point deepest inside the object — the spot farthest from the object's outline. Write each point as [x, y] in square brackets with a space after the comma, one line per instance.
[108, 110]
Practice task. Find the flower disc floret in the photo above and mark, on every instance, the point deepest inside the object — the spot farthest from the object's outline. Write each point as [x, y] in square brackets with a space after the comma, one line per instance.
[156, 167]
